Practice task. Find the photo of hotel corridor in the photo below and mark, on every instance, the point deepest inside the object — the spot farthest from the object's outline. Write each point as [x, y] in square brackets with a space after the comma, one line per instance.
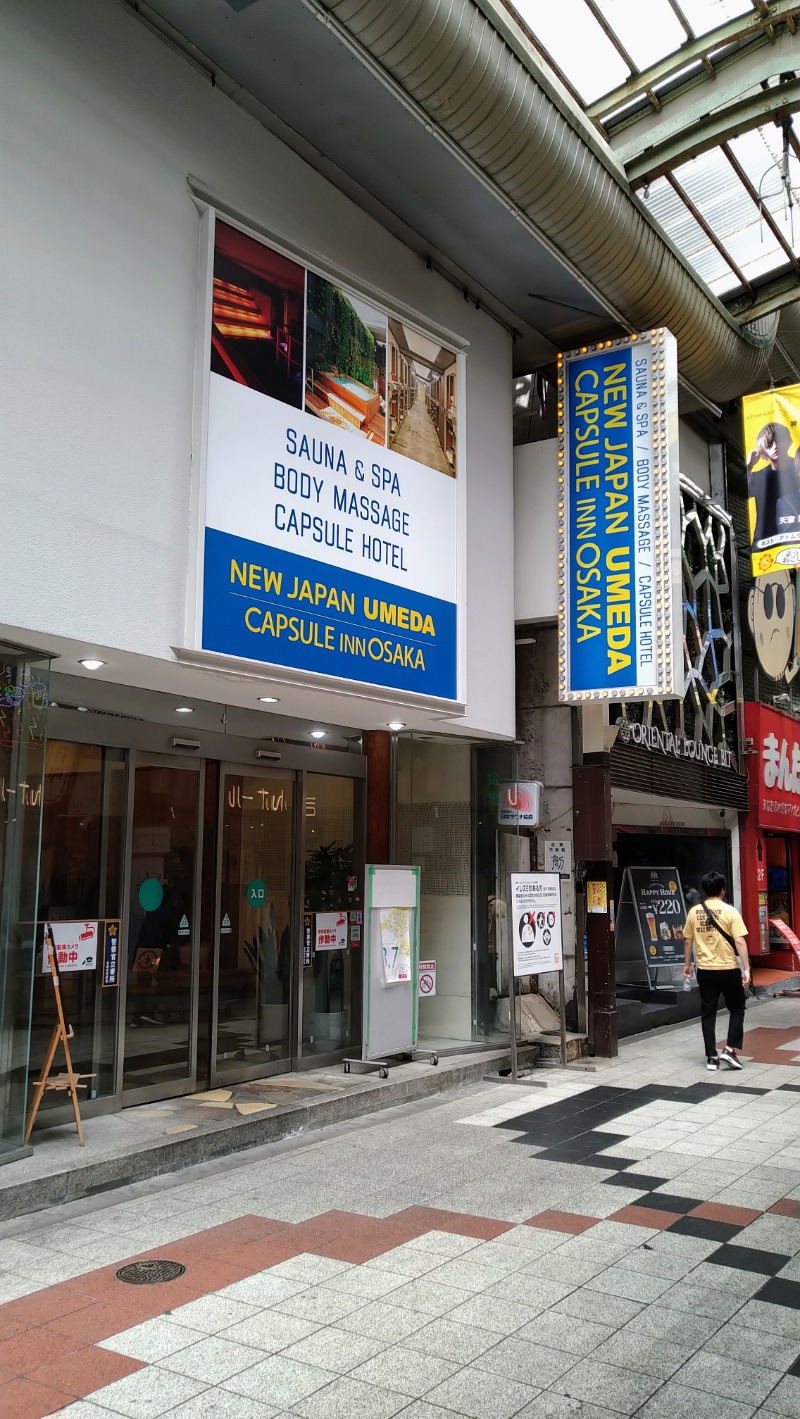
[257, 316]
[422, 398]
[345, 381]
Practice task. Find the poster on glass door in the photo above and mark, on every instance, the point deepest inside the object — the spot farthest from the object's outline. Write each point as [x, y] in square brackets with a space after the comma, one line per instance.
[75, 944]
[331, 931]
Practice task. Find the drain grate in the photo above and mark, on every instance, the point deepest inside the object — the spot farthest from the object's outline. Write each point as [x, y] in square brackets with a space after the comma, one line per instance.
[148, 1273]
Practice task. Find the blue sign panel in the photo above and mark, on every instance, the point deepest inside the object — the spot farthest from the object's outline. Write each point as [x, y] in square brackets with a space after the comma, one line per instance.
[264, 604]
[111, 953]
[617, 526]
[601, 558]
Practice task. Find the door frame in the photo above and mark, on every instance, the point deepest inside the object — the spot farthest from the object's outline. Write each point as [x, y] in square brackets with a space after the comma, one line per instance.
[152, 1093]
[278, 1066]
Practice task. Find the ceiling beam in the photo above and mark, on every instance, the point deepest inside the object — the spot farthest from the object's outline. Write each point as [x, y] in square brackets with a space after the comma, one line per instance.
[682, 143]
[735, 78]
[766, 298]
[744, 27]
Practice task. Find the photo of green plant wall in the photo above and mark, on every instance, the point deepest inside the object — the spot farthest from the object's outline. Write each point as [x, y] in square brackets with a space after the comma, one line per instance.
[338, 340]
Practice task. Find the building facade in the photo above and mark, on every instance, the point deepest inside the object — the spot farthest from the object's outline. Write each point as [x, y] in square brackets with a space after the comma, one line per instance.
[219, 779]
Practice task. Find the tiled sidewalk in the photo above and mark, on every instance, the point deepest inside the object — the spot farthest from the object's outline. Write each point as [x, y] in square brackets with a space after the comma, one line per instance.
[620, 1242]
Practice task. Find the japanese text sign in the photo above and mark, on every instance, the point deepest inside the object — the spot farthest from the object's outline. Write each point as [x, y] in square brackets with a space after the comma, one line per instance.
[75, 945]
[536, 922]
[775, 785]
[619, 521]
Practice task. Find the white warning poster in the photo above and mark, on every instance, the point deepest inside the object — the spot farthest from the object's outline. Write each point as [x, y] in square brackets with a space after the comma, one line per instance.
[536, 922]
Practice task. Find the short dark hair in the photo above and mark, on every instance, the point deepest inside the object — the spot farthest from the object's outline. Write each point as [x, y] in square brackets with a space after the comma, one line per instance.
[713, 884]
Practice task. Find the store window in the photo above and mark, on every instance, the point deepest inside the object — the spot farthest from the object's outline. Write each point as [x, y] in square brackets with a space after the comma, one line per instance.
[446, 824]
[779, 887]
[80, 883]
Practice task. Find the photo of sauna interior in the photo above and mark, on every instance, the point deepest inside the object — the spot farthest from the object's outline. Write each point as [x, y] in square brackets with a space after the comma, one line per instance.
[345, 360]
[422, 398]
[257, 316]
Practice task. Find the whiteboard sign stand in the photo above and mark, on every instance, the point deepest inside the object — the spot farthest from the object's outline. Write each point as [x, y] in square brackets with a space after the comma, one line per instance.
[391, 974]
[535, 945]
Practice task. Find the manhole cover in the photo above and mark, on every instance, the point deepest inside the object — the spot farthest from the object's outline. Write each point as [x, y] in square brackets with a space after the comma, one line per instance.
[147, 1273]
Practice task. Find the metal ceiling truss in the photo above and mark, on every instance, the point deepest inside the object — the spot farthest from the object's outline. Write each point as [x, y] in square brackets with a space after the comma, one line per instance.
[705, 57]
[698, 101]
[677, 142]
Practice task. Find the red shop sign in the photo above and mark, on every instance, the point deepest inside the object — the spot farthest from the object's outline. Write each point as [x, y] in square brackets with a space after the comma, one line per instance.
[774, 767]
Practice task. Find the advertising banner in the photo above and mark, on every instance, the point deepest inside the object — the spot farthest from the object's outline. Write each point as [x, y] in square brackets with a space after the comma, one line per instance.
[536, 922]
[772, 445]
[619, 521]
[657, 897]
[330, 531]
[775, 772]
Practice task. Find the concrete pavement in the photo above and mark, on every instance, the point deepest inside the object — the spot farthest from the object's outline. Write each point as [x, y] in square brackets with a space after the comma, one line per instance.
[617, 1243]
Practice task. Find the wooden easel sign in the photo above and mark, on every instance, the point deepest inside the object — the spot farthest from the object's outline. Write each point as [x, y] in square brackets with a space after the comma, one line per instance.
[62, 1034]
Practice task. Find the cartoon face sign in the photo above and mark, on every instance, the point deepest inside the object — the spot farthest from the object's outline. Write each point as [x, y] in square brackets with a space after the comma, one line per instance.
[772, 614]
[527, 930]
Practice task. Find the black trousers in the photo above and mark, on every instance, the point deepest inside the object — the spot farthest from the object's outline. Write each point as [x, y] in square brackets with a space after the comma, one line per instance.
[729, 984]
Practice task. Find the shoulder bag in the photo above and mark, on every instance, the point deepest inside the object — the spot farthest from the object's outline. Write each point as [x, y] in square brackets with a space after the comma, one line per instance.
[721, 929]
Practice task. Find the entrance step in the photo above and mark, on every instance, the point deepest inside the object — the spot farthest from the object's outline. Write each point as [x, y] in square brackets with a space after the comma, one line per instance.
[153, 1139]
[550, 1046]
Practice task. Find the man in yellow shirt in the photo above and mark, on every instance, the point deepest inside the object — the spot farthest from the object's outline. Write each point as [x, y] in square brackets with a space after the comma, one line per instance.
[716, 931]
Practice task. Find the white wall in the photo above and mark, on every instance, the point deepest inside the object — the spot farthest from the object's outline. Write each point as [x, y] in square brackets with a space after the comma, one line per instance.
[536, 531]
[101, 247]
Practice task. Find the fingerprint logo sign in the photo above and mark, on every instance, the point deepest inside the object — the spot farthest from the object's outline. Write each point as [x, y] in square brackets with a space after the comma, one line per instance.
[518, 804]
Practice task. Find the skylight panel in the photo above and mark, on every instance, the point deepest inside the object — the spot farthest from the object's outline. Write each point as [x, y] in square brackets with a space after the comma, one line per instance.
[576, 43]
[705, 15]
[646, 34]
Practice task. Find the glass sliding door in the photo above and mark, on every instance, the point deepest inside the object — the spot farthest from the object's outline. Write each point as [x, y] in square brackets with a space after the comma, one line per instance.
[333, 900]
[80, 881]
[163, 938]
[256, 927]
[23, 708]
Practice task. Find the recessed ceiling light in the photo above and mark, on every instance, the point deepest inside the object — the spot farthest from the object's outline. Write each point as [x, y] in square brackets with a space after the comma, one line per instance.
[268, 699]
[395, 725]
[318, 733]
[184, 709]
[91, 664]
[82, 709]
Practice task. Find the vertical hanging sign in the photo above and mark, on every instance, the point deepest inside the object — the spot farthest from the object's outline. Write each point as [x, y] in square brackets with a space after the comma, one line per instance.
[619, 521]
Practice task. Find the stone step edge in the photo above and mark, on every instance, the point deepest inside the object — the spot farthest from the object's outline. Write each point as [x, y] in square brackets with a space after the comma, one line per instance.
[157, 1158]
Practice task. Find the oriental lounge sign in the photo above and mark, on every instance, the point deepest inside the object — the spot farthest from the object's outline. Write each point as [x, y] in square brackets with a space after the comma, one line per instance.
[619, 521]
[663, 741]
